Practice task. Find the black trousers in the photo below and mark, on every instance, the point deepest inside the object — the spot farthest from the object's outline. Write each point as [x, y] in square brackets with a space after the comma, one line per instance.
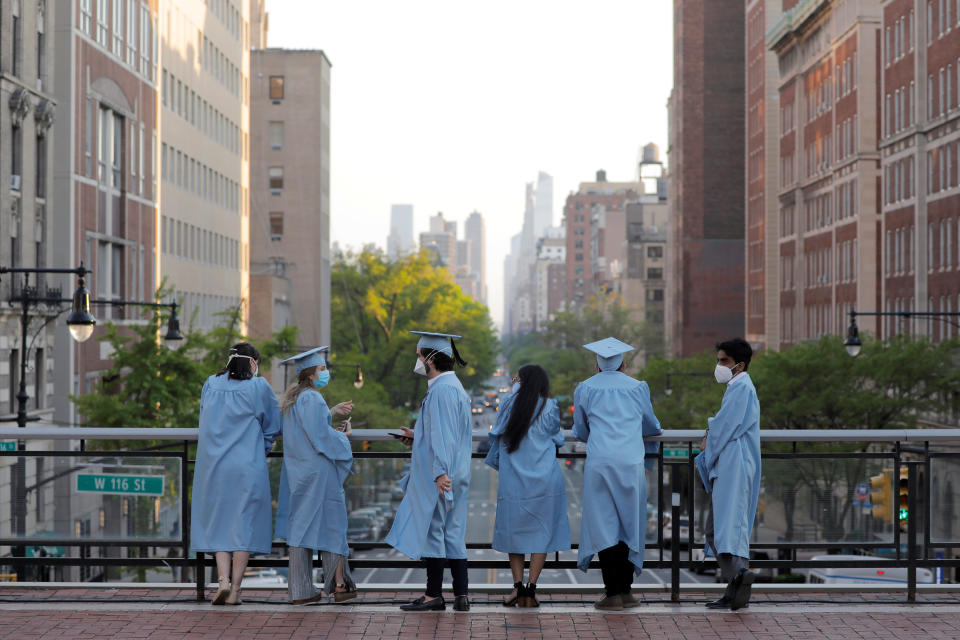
[458, 569]
[616, 568]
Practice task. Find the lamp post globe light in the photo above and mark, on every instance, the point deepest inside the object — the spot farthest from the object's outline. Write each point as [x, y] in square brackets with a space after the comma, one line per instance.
[853, 344]
[81, 324]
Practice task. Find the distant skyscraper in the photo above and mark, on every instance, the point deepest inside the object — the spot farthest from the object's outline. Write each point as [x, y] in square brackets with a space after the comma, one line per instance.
[543, 205]
[400, 240]
[475, 235]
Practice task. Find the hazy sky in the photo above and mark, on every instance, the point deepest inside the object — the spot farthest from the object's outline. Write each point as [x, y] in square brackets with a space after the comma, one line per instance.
[454, 106]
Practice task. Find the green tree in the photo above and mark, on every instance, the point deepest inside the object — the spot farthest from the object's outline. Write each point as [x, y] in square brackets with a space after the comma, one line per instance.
[559, 349]
[376, 302]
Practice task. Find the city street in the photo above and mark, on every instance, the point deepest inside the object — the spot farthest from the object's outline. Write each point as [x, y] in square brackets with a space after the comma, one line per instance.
[480, 523]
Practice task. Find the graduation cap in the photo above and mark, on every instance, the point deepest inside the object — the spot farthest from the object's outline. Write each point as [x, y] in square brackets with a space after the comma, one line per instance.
[307, 359]
[609, 353]
[442, 342]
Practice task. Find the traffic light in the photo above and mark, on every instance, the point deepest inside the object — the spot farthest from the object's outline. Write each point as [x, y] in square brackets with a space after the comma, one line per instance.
[903, 513]
[366, 445]
[880, 497]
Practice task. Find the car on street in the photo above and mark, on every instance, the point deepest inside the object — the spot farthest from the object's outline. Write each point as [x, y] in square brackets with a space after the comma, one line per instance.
[379, 519]
[683, 524]
[362, 528]
[262, 577]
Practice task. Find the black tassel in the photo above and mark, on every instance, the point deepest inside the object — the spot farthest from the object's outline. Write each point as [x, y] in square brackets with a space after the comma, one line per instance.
[456, 354]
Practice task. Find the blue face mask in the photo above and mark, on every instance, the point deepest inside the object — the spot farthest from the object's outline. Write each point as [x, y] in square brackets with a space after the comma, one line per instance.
[322, 380]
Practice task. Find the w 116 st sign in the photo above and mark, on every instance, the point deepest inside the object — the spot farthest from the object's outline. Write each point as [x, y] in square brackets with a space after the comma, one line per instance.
[120, 484]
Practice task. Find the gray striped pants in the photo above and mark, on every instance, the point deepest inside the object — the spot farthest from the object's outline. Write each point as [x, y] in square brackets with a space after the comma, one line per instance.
[300, 584]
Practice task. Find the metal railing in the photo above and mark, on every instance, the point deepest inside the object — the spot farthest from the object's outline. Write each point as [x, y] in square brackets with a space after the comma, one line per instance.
[909, 547]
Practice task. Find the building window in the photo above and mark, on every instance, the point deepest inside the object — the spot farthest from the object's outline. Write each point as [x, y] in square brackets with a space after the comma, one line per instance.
[103, 14]
[655, 295]
[276, 225]
[654, 252]
[16, 157]
[654, 273]
[86, 16]
[276, 179]
[118, 28]
[276, 135]
[276, 87]
[41, 171]
[132, 33]
[17, 42]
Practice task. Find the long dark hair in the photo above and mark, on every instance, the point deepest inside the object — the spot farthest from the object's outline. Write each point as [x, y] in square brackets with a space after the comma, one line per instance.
[303, 383]
[240, 368]
[531, 397]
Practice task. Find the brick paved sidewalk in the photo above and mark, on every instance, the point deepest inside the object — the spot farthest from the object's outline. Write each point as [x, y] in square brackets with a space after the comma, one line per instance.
[30, 614]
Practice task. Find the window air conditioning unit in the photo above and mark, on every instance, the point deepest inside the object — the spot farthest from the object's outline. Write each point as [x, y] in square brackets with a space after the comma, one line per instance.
[15, 182]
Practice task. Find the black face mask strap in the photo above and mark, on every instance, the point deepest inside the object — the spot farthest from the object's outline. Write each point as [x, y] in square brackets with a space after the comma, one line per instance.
[456, 354]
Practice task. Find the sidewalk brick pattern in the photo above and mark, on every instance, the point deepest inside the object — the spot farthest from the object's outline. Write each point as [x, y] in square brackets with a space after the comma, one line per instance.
[62, 619]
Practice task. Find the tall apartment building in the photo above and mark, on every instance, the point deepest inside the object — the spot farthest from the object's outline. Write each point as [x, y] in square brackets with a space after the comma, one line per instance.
[761, 178]
[581, 214]
[642, 279]
[400, 241]
[290, 193]
[920, 158]
[204, 156]
[549, 277]
[105, 180]
[542, 205]
[706, 131]
[475, 234]
[829, 165]
[28, 110]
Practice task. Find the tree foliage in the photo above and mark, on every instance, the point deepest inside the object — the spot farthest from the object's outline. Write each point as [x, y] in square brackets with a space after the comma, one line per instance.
[376, 302]
[151, 385]
[559, 349]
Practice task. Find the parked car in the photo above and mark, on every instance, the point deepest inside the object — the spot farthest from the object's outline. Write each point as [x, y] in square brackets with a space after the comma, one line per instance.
[378, 519]
[683, 525]
[262, 577]
[362, 528]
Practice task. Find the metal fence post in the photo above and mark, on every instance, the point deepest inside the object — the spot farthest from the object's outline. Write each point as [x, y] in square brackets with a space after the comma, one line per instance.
[912, 471]
[199, 570]
[675, 532]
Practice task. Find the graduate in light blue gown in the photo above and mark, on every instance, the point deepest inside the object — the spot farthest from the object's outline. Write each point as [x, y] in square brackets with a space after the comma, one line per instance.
[729, 467]
[230, 513]
[431, 521]
[311, 506]
[613, 415]
[531, 496]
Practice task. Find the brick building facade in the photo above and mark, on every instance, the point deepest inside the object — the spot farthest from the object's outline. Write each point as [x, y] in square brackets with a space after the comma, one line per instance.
[705, 274]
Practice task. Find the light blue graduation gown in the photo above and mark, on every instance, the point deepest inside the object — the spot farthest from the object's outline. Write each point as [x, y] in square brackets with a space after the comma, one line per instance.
[612, 415]
[531, 496]
[231, 509]
[729, 467]
[311, 505]
[428, 525]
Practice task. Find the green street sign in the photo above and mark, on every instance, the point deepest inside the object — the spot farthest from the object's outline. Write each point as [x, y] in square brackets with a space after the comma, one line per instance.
[678, 452]
[8, 445]
[120, 484]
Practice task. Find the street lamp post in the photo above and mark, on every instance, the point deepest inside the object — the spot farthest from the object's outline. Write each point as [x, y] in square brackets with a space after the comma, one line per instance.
[853, 343]
[81, 324]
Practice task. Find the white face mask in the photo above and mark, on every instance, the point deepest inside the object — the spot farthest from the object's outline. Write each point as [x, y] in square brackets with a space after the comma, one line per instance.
[722, 374]
[420, 368]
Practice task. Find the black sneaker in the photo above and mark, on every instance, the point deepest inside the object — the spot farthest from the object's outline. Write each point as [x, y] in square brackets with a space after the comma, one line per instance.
[461, 603]
[422, 604]
[722, 603]
[742, 595]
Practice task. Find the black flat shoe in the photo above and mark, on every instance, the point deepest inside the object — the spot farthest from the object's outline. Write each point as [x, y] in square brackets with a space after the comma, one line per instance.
[422, 604]
[512, 602]
[529, 598]
[722, 603]
[742, 595]
[461, 603]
